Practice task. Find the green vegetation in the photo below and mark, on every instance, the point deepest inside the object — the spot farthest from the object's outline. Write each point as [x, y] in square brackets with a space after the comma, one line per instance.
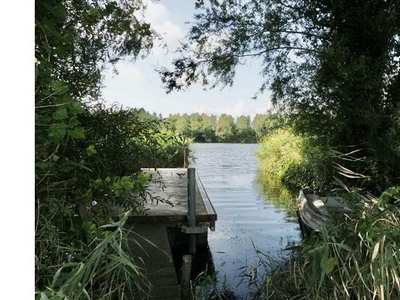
[88, 156]
[278, 152]
[203, 128]
[356, 258]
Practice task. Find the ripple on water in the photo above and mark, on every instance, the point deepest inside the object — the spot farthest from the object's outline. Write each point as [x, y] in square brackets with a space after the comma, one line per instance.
[247, 222]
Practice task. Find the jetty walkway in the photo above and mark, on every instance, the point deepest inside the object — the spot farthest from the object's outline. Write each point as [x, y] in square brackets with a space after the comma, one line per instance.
[179, 213]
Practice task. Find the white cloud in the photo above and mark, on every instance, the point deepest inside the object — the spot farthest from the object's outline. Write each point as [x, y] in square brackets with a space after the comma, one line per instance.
[129, 72]
[156, 13]
[170, 31]
[124, 73]
[159, 18]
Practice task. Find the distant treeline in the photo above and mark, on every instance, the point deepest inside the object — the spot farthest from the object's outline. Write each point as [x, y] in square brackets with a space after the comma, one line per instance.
[203, 128]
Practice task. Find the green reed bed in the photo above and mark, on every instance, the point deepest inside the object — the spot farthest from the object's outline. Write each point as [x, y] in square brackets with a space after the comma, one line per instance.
[356, 258]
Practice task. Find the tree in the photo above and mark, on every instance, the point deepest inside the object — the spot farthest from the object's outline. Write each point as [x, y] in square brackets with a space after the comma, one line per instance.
[265, 124]
[208, 129]
[196, 123]
[333, 65]
[259, 125]
[225, 128]
[75, 41]
[244, 133]
[182, 125]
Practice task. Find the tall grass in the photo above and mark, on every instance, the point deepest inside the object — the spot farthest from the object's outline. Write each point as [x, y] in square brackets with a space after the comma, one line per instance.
[103, 269]
[356, 259]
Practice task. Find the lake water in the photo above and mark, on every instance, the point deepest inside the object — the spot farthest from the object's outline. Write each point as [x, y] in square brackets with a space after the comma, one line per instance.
[247, 220]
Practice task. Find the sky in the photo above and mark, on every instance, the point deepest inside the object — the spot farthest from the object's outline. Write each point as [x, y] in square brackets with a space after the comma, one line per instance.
[138, 85]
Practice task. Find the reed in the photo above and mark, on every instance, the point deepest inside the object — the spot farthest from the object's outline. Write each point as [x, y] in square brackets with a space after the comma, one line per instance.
[357, 258]
[103, 269]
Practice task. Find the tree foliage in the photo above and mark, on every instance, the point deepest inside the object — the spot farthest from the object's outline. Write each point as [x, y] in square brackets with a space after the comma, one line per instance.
[333, 65]
[76, 40]
[223, 129]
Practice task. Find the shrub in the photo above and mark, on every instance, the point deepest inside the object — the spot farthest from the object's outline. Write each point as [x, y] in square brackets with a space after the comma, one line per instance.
[278, 152]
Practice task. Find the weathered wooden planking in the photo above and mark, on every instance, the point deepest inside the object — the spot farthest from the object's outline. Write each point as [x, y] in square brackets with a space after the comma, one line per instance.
[167, 199]
[152, 245]
[166, 211]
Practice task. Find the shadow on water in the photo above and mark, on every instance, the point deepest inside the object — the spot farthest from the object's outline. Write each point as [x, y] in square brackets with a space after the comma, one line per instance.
[201, 260]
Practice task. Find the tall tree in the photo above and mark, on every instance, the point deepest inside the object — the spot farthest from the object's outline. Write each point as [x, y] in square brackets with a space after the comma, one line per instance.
[225, 128]
[75, 41]
[182, 125]
[209, 123]
[258, 125]
[333, 64]
[196, 123]
[244, 132]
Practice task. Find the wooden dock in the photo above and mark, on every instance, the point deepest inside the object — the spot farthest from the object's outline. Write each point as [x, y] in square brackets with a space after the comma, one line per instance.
[171, 186]
[166, 224]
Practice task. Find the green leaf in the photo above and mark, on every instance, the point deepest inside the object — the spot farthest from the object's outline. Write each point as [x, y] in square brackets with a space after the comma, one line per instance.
[89, 226]
[36, 73]
[328, 265]
[341, 183]
[91, 150]
[43, 296]
[75, 107]
[60, 87]
[126, 182]
[77, 133]
[58, 131]
[61, 113]
[59, 12]
[73, 122]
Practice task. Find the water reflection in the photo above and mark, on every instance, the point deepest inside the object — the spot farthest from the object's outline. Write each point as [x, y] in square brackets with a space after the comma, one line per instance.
[277, 193]
[253, 216]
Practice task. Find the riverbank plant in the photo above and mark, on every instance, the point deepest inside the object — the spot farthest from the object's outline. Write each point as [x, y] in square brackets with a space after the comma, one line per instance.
[278, 152]
[301, 162]
[358, 257]
[88, 159]
[354, 258]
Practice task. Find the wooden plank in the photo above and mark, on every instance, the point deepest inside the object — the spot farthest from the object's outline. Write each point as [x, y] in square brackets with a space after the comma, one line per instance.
[209, 208]
[155, 251]
[171, 186]
[186, 274]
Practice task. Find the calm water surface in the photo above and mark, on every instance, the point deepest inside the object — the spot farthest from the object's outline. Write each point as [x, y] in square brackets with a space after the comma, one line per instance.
[247, 219]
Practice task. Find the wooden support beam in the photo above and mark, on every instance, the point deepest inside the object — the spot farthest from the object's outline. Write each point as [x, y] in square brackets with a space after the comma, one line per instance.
[186, 271]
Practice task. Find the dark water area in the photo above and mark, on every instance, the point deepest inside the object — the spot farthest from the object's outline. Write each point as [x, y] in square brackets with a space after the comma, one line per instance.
[248, 220]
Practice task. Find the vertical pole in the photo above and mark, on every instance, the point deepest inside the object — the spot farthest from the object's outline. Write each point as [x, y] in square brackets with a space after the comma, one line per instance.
[186, 272]
[192, 207]
[184, 158]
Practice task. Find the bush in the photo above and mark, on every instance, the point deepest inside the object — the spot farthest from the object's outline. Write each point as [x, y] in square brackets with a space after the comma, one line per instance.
[86, 159]
[278, 152]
